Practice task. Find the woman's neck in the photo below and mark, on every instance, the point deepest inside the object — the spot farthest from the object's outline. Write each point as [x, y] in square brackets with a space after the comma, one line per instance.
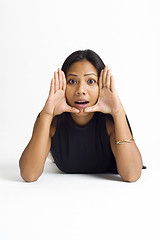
[82, 119]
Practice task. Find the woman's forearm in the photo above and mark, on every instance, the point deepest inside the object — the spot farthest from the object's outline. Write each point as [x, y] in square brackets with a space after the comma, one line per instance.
[34, 156]
[128, 157]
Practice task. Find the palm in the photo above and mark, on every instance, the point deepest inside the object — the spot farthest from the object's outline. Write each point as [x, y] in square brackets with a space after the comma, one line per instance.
[108, 101]
[56, 101]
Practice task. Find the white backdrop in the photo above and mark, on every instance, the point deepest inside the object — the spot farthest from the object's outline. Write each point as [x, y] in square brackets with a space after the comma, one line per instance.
[36, 36]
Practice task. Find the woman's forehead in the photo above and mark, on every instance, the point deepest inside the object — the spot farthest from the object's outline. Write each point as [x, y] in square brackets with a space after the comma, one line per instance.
[82, 68]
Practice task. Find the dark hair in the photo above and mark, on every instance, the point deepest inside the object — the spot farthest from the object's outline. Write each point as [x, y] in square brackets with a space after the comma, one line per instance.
[81, 55]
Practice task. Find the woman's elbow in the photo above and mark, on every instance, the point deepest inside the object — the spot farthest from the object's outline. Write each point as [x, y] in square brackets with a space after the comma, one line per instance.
[131, 177]
[29, 177]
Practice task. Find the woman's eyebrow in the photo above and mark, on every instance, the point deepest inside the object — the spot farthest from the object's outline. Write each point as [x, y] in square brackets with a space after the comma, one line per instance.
[71, 74]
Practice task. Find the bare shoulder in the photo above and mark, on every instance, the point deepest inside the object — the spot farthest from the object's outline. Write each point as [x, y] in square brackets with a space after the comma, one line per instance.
[109, 124]
[53, 126]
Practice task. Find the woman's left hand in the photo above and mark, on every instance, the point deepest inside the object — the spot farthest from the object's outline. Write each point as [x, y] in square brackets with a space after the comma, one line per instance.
[108, 101]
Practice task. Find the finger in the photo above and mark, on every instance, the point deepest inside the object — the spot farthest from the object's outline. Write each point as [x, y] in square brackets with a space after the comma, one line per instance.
[51, 91]
[92, 109]
[108, 78]
[112, 84]
[100, 79]
[60, 78]
[71, 109]
[74, 110]
[63, 81]
[104, 76]
[56, 82]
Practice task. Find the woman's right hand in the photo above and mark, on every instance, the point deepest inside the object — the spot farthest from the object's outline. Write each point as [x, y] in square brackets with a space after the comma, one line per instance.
[56, 101]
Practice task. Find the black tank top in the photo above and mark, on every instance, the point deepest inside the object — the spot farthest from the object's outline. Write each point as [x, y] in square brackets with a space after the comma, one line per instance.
[83, 149]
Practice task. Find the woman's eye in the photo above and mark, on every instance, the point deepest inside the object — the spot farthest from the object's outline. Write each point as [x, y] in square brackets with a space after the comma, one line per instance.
[71, 81]
[91, 81]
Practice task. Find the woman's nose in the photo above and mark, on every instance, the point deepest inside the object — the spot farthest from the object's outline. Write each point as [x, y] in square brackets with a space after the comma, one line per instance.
[80, 89]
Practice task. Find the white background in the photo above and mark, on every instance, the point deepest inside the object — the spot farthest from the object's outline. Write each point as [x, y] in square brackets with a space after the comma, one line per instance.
[36, 36]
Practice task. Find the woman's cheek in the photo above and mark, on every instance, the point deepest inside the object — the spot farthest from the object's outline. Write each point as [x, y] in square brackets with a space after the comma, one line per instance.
[68, 96]
[96, 94]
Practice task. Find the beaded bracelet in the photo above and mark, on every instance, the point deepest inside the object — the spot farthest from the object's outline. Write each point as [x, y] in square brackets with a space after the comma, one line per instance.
[124, 141]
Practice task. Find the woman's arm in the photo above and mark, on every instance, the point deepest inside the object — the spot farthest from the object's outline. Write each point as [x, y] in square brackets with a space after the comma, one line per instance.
[34, 156]
[127, 155]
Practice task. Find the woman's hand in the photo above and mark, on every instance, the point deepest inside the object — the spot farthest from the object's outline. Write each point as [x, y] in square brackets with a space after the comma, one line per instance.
[108, 101]
[56, 101]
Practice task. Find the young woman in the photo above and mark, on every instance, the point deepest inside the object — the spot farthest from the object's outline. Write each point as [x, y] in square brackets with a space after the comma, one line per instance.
[83, 124]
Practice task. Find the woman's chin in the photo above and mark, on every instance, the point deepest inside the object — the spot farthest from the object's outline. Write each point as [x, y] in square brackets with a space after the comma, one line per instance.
[82, 112]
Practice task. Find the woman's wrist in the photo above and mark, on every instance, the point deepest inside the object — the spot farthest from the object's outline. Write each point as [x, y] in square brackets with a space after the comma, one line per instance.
[47, 116]
[121, 112]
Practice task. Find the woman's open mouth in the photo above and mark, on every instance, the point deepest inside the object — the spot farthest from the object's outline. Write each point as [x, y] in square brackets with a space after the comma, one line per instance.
[81, 104]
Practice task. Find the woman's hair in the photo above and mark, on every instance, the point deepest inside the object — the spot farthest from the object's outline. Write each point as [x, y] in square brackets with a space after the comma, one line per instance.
[81, 55]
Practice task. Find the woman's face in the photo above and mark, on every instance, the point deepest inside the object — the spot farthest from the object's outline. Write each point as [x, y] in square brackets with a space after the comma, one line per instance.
[82, 88]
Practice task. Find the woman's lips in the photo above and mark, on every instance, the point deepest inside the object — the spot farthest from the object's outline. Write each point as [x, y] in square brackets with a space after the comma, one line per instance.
[81, 105]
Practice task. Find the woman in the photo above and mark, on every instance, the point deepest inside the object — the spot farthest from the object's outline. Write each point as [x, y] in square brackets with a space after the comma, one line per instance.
[83, 124]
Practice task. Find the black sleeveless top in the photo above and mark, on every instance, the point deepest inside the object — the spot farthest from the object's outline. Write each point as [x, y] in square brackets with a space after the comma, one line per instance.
[86, 149]
[83, 149]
